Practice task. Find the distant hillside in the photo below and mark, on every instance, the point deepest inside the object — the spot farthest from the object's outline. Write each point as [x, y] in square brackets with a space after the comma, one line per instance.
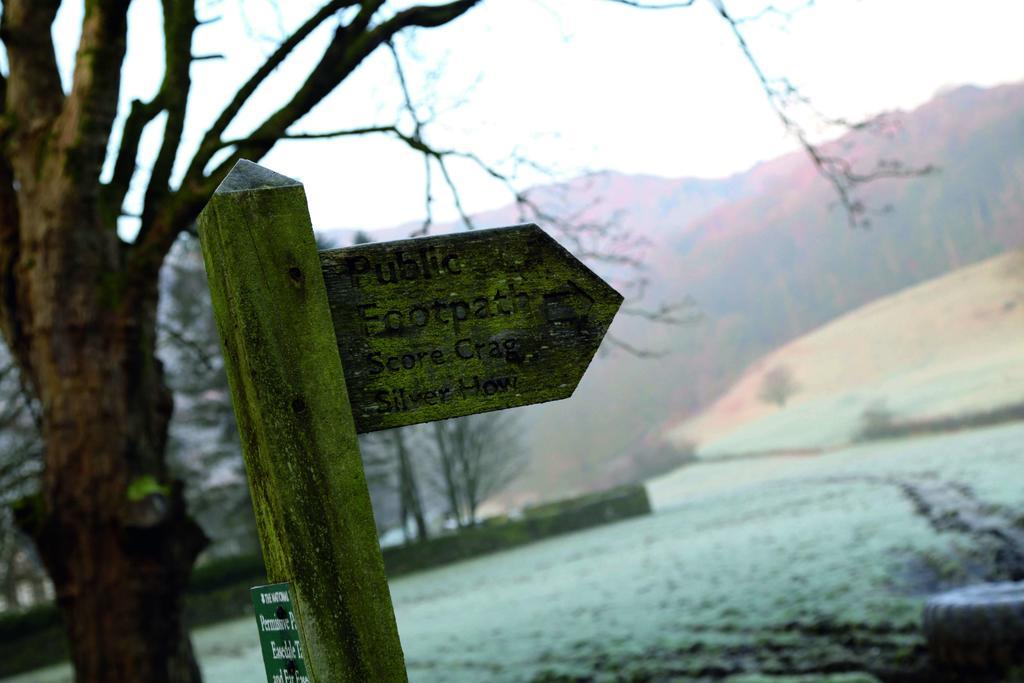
[949, 346]
[767, 258]
[777, 262]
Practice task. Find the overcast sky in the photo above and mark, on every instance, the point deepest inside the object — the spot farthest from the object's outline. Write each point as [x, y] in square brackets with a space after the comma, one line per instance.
[576, 85]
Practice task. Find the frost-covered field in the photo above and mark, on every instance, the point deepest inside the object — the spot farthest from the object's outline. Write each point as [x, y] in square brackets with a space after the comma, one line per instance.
[780, 566]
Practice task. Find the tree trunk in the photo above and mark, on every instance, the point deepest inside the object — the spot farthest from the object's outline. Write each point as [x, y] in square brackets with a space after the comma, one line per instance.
[445, 461]
[116, 540]
[411, 502]
[109, 524]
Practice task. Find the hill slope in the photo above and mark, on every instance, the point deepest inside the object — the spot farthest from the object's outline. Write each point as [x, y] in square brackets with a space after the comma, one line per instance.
[767, 259]
[951, 345]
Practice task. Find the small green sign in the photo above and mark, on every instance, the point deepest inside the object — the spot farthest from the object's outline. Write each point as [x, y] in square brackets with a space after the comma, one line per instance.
[279, 635]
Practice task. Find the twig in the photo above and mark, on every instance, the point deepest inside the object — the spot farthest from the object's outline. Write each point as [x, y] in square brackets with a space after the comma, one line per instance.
[194, 346]
[428, 170]
[836, 170]
[648, 5]
[666, 314]
[632, 350]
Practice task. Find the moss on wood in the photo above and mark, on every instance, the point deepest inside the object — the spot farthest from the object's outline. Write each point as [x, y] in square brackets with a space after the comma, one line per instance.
[309, 492]
[438, 327]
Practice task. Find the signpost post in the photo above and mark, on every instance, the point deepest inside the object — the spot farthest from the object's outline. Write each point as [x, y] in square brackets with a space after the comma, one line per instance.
[320, 346]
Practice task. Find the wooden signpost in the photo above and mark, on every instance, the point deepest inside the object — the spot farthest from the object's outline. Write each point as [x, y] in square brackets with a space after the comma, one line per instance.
[320, 346]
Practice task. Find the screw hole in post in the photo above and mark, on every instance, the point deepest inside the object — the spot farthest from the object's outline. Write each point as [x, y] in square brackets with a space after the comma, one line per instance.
[295, 274]
[299, 406]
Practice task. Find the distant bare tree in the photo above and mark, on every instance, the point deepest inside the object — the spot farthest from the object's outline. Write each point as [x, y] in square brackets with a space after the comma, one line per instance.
[20, 465]
[409, 497]
[777, 385]
[394, 474]
[203, 448]
[394, 480]
[475, 457]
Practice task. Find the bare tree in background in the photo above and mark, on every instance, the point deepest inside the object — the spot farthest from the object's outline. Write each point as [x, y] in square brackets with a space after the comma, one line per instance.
[379, 468]
[20, 465]
[79, 302]
[474, 458]
[394, 479]
[777, 386]
[203, 448]
[410, 498]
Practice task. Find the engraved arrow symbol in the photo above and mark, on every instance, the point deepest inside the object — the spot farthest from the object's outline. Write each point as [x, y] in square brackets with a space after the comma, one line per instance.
[569, 304]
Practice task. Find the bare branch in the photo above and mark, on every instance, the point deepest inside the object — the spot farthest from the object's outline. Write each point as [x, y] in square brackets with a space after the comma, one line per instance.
[166, 219]
[772, 10]
[782, 94]
[654, 5]
[428, 189]
[837, 171]
[571, 229]
[351, 45]
[183, 340]
[211, 140]
[173, 216]
[428, 167]
[684, 312]
[113, 193]
[89, 111]
[585, 238]
[429, 154]
[347, 132]
[179, 25]
[633, 350]
[456, 197]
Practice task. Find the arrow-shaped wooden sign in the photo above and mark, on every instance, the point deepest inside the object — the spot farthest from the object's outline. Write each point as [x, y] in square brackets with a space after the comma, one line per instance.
[423, 329]
[438, 327]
